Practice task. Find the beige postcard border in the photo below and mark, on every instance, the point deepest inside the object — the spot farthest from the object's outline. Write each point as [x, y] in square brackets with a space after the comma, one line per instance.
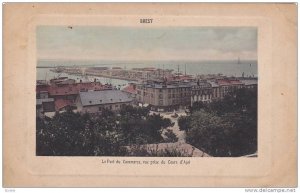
[277, 103]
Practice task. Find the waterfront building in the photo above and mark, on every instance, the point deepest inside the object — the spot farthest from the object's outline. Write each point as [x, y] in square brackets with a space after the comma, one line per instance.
[202, 91]
[171, 95]
[97, 101]
[250, 83]
[134, 74]
[44, 104]
[61, 80]
[228, 85]
[221, 87]
[210, 76]
[130, 89]
[73, 70]
[95, 71]
[65, 95]
[151, 73]
[216, 90]
[164, 96]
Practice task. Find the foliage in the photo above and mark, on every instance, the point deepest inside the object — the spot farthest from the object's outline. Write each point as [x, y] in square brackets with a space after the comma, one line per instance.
[142, 128]
[75, 134]
[184, 123]
[197, 106]
[225, 127]
[170, 136]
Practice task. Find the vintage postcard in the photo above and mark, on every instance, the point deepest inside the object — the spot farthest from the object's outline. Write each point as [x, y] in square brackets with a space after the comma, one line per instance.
[133, 91]
[135, 96]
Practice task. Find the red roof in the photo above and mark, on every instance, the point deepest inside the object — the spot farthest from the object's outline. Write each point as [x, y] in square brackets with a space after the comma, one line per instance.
[61, 103]
[236, 82]
[40, 88]
[186, 77]
[72, 89]
[69, 89]
[130, 89]
[225, 82]
[63, 90]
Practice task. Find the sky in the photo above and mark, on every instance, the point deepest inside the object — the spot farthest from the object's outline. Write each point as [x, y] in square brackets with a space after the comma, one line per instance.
[137, 43]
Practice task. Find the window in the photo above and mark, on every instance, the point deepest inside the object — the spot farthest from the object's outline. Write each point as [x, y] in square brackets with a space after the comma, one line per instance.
[160, 96]
[110, 107]
[160, 102]
[100, 108]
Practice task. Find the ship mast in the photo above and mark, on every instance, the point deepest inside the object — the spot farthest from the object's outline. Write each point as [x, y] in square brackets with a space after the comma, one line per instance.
[163, 71]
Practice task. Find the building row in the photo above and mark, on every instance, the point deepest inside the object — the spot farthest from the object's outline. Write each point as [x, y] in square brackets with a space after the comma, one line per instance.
[83, 96]
[120, 73]
[173, 95]
[160, 95]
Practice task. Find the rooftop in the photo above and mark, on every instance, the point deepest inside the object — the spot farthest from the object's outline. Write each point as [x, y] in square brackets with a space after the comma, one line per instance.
[249, 81]
[130, 89]
[72, 89]
[103, 97]
[224, 82]
[213, 84]
[41, 101]
[61, 103]
[158, 86]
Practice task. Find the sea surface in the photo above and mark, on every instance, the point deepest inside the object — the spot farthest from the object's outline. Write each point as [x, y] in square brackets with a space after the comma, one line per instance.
[228, 68]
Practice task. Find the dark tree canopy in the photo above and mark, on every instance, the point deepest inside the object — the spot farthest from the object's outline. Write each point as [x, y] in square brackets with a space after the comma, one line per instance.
[226, 127]
[75, 134]
[170, 136]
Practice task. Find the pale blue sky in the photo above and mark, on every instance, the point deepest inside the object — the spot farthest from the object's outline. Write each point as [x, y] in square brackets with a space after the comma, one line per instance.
[133, 43]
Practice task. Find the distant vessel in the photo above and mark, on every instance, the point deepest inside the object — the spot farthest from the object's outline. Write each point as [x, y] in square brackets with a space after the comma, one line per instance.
[239, 61]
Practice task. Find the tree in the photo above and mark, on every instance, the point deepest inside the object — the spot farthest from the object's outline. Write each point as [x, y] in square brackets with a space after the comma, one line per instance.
[170, 136]
[141, 128]
[184, 123]
[73, 134]
[226, 127]
[198, 105]
[154, 127]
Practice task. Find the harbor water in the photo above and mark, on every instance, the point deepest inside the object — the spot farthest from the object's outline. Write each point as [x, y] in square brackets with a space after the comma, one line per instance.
[228, 68]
